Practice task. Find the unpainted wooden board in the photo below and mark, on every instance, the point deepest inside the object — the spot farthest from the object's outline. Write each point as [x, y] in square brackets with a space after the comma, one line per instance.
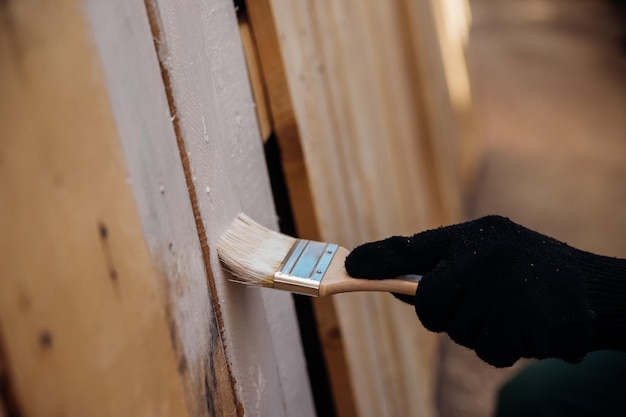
[374, 140]
[435, 59]
[378, 141]
[203, 64]
[256, 79]
[283, 117]
[300, 196]
[82, 325]
[453, 20]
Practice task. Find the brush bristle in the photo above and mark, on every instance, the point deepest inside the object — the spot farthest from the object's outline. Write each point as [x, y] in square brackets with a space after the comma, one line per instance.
[252, 252]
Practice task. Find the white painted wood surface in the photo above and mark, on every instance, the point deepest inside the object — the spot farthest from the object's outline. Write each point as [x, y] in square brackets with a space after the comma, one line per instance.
[200, 51]
[155, 173]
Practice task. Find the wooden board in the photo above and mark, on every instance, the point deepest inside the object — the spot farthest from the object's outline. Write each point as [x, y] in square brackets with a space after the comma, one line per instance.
[286, 127]
[211, 103]
[436, 32]
[82, 327]
[377, 140]
[259, 90]
[156, 176]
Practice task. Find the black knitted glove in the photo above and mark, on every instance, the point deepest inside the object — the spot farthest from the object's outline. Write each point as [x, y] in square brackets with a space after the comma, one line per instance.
[506, 291]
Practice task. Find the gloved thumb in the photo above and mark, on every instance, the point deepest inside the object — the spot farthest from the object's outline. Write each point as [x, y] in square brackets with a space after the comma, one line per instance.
[397, 255]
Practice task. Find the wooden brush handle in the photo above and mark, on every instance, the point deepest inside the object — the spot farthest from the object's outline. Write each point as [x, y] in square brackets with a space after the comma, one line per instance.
[336, 280]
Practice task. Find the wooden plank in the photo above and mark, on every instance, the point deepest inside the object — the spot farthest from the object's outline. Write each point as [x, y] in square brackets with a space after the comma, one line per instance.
[81, 320]
[379, 144]
[439, 67]
[139, 100]
[283, 118]
[453, 19]
[300, 194]
[355, 82]
[205, 75]
[256, 79]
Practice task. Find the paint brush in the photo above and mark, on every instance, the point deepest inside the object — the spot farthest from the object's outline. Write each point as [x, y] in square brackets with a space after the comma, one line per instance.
[258, 256]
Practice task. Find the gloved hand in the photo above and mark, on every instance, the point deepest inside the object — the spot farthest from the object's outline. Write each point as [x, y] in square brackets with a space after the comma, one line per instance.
[506, 291]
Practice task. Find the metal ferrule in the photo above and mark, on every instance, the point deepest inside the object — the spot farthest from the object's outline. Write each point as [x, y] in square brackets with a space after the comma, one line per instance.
[304, 267]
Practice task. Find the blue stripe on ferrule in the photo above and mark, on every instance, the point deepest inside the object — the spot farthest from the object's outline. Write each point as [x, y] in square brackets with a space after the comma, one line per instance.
[304, 267]
[308, 259]
[292, 257]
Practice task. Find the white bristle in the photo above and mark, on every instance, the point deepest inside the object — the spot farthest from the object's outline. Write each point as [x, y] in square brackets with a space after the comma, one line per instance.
[252, 252]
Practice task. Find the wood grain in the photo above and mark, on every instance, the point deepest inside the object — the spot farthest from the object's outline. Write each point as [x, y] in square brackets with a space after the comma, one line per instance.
[81, 320]
[378, 154]
[256, 77]
[283, 118]
[148, 135]
[203, 65]
[301, 197]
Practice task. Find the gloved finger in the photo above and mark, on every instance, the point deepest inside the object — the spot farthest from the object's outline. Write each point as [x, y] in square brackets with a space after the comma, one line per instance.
[500, 343]
[467, 320]
[438, 297]
[509, 332]
[397, 255]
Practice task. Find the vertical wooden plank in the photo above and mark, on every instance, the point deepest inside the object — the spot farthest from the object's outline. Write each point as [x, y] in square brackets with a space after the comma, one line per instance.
[379, 141]
[146, 128]
[351, 62]
[453, 19]
[287, 131]
[283, 117]
[259, 91]
[210, 100]
[445, 98]
[82, 327]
